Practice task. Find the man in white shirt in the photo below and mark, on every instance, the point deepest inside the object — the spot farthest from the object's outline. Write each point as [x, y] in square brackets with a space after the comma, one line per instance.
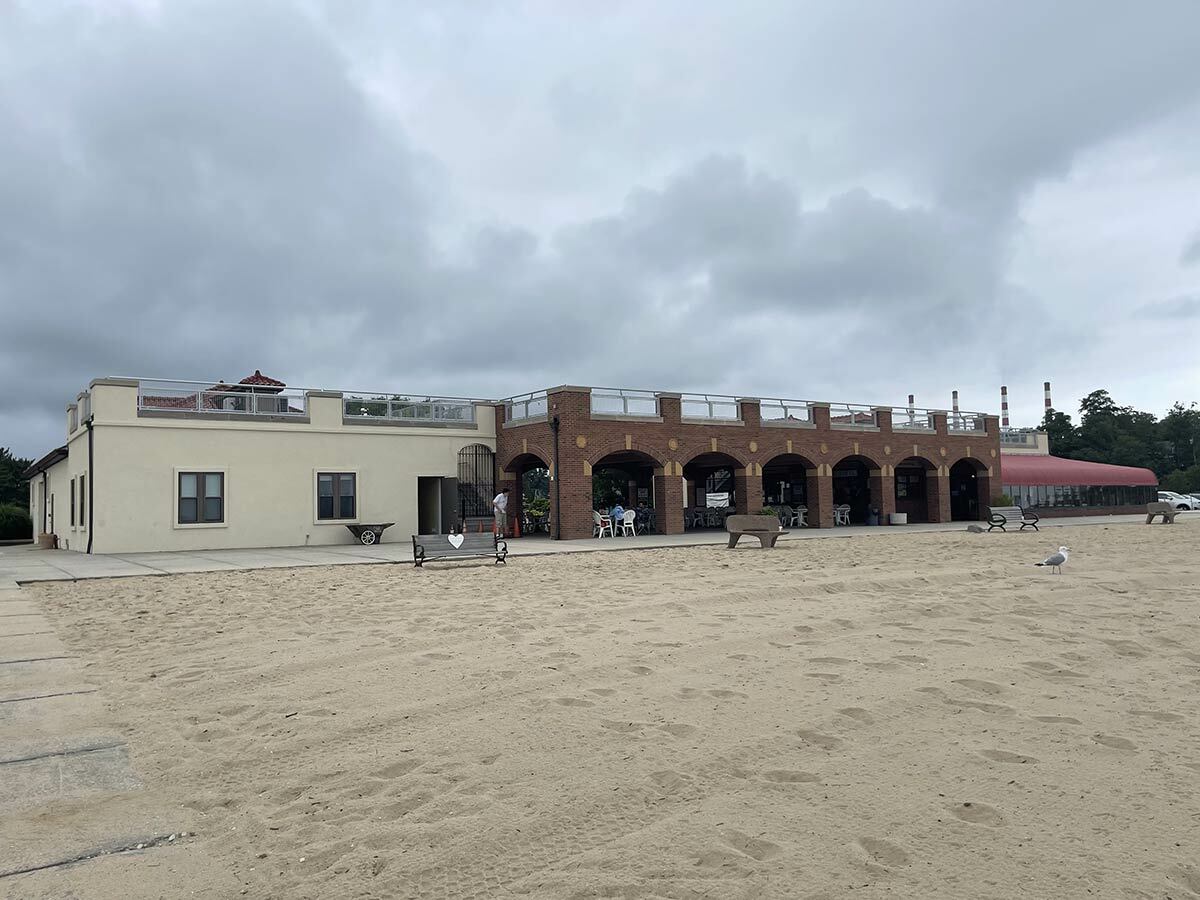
[500, 508]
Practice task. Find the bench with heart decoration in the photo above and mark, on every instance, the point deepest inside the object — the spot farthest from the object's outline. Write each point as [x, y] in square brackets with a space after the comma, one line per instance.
[457, 545]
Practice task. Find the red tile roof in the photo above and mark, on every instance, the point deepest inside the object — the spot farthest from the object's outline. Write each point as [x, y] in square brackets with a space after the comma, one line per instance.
[258, 378]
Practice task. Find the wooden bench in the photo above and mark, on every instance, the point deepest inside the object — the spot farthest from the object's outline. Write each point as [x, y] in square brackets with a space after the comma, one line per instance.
[1161, 508]
[458, 546]
[1000, 516]
[765, 528]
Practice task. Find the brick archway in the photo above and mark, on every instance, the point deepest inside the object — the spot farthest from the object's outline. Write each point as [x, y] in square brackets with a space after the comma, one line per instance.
[622, 446]
[969, 488]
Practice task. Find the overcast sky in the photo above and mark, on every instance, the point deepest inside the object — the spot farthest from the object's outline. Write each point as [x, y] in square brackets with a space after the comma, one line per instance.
[836, 200]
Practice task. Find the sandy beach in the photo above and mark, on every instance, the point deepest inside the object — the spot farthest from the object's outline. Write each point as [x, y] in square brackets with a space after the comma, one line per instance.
[897, 715]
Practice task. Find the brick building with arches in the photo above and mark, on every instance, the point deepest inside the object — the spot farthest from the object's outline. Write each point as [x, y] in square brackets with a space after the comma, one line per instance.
[932, 465]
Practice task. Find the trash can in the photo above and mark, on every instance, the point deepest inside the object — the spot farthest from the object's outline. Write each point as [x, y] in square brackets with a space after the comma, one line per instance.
[899, 518]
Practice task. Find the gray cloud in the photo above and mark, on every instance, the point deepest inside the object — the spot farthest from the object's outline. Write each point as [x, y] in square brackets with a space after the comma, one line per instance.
[1191, 251]
[776, 200]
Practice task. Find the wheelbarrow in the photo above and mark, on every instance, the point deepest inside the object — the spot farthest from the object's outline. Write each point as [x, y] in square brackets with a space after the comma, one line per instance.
[369, 534]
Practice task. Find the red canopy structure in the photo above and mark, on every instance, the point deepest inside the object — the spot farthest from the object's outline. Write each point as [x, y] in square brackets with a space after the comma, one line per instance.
[1035, 470]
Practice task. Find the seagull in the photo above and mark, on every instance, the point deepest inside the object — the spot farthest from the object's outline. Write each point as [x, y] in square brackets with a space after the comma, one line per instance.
[1057, 560]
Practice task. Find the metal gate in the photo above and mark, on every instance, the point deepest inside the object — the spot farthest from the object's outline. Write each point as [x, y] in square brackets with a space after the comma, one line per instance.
[476, 480]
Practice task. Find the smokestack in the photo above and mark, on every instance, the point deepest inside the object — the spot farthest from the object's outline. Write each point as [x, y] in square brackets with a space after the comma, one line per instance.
[1049, 405]
[954, 401]
[912, 401]
[1003, 406]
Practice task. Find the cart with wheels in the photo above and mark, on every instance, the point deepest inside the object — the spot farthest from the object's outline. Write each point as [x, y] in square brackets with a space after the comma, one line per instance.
[369, 534]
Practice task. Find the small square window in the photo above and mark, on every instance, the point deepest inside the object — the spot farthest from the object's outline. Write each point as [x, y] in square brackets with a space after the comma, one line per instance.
[337, 495]
[201, 498]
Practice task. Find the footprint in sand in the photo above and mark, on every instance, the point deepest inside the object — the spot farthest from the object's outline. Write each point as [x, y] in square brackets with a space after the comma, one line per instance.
[784, 776]
[437, 656]
[954, 641]
[984, 687]
[755, 848]
[1156, 716]
[996, 709]
[1187, 877]
[829, 660]
[1058, 720]
[622, 727]
[1005, 757]
[396, 769]
[857, 714]
[824, 741]
[883, 853]
[669, 781]
[679, 729]
[829, 677]
[1052, 670]
[572, 701]
[601, 692]
[1128, 648]
[723, 694]
[1117, 743]
[640, 670]
[977, 813]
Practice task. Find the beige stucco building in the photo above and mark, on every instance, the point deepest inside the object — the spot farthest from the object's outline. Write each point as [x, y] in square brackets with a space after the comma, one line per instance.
[175, 466]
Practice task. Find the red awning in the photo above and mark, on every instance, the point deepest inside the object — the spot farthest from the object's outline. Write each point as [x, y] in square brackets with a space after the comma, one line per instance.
[1034, 469]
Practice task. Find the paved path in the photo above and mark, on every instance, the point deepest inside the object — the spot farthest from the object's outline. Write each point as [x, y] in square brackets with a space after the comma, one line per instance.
[25, 564]
[75, 819]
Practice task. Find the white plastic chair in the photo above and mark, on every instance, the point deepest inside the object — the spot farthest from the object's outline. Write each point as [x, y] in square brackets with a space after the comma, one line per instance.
[714, 519]
[800, 517]
[841, 515]
[627, 526]
[786, 514]
[697, 519]
[601, 524]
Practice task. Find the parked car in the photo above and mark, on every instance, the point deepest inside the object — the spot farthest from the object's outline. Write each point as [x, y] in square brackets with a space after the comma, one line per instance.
[1179, 501]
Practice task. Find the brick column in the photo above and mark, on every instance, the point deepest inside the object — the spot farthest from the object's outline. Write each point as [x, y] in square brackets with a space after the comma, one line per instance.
[670, 408]
[883, 418]
[819, 489]
[883, 492]
[750, 409]
[939, 422]
[748, 491]
[668, 502]
[820, 416]
[987, 488]
[573, 406]
[937, 495]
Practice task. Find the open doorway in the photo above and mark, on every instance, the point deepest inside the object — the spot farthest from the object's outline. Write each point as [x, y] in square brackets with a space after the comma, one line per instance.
[429, 505]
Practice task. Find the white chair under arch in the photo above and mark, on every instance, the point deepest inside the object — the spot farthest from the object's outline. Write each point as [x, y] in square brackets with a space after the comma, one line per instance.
[696, 519]
[601, 524]
[627, 526]
[841, 515]
[800, 517]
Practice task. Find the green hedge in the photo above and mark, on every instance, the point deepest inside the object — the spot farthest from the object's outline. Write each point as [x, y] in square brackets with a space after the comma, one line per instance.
[15, 523]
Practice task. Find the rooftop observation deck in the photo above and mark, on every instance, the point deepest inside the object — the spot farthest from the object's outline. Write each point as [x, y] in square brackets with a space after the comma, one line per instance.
[259, 397]
[642, 405]
[277, 402]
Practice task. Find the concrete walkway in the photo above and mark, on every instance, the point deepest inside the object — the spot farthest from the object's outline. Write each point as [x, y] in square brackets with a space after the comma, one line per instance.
[23, 564]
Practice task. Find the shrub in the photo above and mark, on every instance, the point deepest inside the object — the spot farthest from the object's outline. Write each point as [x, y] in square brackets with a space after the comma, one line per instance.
[15, 523]
[769, 511]
[1003, 500]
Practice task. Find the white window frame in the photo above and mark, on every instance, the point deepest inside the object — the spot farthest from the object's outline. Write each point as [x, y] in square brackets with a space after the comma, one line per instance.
[358, 485]
[180, 470]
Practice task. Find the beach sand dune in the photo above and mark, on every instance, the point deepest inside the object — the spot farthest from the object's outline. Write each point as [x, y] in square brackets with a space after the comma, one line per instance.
[900, 715]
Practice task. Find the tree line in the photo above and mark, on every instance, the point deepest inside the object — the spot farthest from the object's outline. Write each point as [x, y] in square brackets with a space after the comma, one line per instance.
[1124, 436]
